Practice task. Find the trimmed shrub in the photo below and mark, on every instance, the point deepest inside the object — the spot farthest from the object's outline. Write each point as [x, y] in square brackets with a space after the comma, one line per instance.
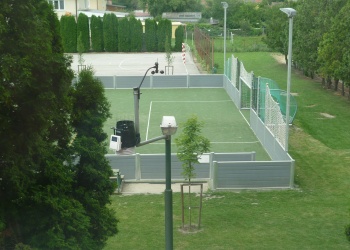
[124, 35]
[83, 32]
[151, 35]
[135, 35]
[96, 34]
[68, 28]
[110, 32]
[164, 31]
[179, 38]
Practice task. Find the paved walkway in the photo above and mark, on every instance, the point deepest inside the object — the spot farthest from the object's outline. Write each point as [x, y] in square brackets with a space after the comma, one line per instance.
[130, 188]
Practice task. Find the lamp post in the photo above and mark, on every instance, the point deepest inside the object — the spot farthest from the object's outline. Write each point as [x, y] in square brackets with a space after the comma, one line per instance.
[169, 128]
[290, 13]
[224, 5]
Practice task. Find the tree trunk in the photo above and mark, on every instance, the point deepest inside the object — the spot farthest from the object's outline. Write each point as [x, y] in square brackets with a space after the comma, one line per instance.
[336, 82]
[323, 81]
[329, 82]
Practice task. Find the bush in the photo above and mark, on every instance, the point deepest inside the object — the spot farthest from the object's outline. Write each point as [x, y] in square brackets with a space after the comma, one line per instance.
[179, 38]
[124, 35]
[69, 34]
[83, 32]
[110, 32]
[164, 31]
[135, 34]
[96, 34]
[151, 35]
[347, 232]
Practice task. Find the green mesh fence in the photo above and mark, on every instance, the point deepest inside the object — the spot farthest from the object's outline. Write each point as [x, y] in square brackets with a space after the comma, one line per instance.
[280, 96]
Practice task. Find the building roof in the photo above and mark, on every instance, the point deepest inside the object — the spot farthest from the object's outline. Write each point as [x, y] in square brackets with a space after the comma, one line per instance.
[100, 13]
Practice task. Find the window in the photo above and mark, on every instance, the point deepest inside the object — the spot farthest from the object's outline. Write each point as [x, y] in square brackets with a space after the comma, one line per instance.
[57, 4]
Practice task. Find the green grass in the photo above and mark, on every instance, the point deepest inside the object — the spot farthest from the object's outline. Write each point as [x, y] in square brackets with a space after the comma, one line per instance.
[240, 44]
[312, 216]
[247, 220]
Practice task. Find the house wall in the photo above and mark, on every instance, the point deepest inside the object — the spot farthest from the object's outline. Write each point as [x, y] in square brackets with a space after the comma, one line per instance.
[70, 6]
[173, 28]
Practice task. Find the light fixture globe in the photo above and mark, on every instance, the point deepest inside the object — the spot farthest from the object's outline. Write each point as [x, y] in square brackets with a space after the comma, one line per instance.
[168, 125]
[289, 11]
[224, 4]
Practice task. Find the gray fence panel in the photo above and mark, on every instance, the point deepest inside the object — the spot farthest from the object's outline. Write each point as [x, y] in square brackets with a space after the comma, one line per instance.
[249, 156]
[232, 92]
[107, 81]
[131, 82]
[206, 81]
[153, 167]
[125, 164]
[254, 174]
[169, 81]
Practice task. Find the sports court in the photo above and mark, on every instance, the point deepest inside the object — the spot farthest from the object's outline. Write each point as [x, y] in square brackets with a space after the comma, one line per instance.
[134, 64]
[224, 125]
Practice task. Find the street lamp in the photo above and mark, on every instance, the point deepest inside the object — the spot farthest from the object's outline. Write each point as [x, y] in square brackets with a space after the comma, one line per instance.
[224, 5]
[169, 128]
[290, 13]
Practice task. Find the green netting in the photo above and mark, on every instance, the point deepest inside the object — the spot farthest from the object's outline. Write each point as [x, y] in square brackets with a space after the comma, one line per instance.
[280, 96]
[245, 96]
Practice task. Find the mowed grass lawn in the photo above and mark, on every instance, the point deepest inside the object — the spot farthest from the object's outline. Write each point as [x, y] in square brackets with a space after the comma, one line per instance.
[311, 216]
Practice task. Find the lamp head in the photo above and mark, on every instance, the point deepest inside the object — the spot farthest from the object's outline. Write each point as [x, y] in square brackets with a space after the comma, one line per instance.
[224, 5]
[168, 125]
[289, 11]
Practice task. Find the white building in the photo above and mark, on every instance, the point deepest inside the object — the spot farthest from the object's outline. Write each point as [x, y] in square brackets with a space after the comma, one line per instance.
[73, 7]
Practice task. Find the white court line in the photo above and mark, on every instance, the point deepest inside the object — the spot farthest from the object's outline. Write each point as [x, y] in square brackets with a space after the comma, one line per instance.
[149, 119]
[197, 101]
[120, 65]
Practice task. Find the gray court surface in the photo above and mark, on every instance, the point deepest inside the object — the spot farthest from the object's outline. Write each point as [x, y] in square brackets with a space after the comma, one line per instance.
[135, 64]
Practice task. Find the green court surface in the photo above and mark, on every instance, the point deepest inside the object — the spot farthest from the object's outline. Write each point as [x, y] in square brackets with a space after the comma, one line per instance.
[224, 125]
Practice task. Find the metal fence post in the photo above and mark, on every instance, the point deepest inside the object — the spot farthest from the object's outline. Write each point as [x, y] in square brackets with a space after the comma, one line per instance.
[137, 166]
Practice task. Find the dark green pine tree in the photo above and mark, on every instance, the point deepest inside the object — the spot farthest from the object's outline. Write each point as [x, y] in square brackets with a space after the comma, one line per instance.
[92, 186]
[124, 35]
[96, 34]
[110, 32]
[163, 31]
[38, 206]
[179, 38]
[69, 34]
[135, 35]
[83, 32]
[151, 35]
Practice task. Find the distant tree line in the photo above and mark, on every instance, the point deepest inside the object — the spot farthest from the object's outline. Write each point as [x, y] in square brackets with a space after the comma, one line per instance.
[110, 34]
[321, 39]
